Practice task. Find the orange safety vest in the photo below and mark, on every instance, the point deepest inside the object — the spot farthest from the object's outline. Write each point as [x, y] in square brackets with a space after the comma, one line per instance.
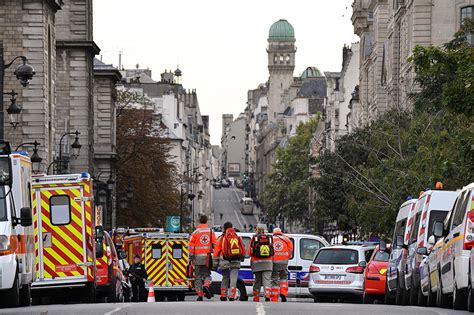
[282, 246]
[202, 241]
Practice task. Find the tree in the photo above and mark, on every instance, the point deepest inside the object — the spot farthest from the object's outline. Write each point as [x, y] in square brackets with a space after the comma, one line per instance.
[446, 74]
[286, 191]
[144, 164]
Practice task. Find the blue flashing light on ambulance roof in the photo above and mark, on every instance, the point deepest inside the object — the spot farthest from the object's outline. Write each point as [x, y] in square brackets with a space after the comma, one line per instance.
[409, 198]
[24, 153]
[85, 175]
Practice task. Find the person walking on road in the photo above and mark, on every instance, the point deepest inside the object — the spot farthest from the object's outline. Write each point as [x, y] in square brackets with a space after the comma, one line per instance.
[283, 249]
[261, 252]
[229, 252]
[138, 278]
[201, 245]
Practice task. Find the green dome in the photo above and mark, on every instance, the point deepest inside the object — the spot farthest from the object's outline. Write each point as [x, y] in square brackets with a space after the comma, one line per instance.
[281, 30]
[311, 72]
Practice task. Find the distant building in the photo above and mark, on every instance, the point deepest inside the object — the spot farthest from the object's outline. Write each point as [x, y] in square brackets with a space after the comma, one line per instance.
[234, 141]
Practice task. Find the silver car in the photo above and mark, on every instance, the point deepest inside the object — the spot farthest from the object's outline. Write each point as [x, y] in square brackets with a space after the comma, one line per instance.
[338, 271]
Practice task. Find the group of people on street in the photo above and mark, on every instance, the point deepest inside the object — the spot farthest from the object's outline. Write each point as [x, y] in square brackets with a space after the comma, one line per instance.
[269, 256]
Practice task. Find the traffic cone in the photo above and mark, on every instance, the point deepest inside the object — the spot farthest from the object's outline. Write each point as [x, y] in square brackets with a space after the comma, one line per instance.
[151, 293]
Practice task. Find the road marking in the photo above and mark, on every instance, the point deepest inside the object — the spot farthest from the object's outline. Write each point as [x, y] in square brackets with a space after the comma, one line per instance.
[117, 309]
[237, 212]
[260, 309]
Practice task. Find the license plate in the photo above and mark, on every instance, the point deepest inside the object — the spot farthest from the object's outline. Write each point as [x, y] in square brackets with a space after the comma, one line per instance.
[333, 277]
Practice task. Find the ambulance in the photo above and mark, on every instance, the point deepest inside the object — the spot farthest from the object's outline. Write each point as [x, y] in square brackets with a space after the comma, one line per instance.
[65, 236]
[165, 256]
[17, 253]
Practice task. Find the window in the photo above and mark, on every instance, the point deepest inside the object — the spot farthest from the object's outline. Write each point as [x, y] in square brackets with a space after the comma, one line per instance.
[281, 58]
[337, 256]
[399, 228]
[3, 206]
[293, 251]
[288, 59]
[156, 250]
[60, 210]
[460, 209]
[177, 251]
[275, 58]
[308, 248]
[382, 256]
[435, 215]
[368, 253]
[466, 13]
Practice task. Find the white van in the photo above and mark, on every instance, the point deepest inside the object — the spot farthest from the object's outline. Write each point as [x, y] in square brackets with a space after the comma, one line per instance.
[432, 206]
[17, 245]
[304, 250]
[246, 205]
[453, 257]
[398, 255]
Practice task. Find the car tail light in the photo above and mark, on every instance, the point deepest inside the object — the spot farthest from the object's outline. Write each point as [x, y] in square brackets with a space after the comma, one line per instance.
[371, 269]
[469, 230]
[355, 269]
[313, 269]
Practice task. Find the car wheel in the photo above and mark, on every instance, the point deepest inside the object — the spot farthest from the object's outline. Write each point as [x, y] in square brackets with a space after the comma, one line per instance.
[112, 292]
[367, 299]
[459, 298]
[400, 294]
[421, 297]
[431, 300]
[241, 292]
[25, 295]
[388, 298]
[11, 297]
[470, 297]
[442, 300]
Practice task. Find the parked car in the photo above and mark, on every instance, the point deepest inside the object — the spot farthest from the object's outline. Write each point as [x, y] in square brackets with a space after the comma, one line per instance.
[432, 206]
[246, 205]
[217, 185]
[305, 247]
[239, 184]
[338, 271]
[375, 276]
[109, 274]
[395, 291]
[453, 258]
[225, 183]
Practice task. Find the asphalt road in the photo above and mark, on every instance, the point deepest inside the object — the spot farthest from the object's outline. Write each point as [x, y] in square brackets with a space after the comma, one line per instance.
[227, 202]
[228, 308]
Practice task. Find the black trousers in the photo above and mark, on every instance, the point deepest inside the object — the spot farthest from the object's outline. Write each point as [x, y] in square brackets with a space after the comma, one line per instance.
[138, 291]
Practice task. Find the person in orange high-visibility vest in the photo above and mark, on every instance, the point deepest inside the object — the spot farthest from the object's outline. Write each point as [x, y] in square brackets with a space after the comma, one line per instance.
[261, 266]
[201, 244]
[230, 268]
[283, 248]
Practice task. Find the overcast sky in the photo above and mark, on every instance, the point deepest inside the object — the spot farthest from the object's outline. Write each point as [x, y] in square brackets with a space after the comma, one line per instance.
[220, 45]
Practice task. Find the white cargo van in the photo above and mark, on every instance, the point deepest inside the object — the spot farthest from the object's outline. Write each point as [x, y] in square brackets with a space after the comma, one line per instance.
[17, 246]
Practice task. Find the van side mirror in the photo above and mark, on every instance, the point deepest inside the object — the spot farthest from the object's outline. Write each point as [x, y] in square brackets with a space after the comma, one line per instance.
[422, 251]
[438, 229]
[99, 249]
[399, 241]
[382, 246]
[26, 217]
[122, 254]
[99, 233]
[431, 240]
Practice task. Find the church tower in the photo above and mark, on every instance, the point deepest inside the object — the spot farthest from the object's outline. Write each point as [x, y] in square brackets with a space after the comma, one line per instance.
[281, 64]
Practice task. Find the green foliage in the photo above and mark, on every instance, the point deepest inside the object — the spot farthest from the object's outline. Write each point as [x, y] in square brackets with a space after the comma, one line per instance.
[446, 74]
[287, 186]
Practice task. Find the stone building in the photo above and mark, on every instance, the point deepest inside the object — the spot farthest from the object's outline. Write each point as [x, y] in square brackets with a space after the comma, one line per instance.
[105, 142]
[234, 141]
[389, 30]
[177, 113]
[275, 108]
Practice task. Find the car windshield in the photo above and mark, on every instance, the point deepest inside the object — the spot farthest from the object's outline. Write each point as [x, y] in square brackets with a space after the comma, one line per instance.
[435, 215]
[337, 256]
[382, 256]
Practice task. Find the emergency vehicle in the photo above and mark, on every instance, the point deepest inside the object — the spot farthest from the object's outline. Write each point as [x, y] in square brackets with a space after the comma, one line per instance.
[109, 273]
[165, 256]
[304, 249]
[16, 230]
[65, 236]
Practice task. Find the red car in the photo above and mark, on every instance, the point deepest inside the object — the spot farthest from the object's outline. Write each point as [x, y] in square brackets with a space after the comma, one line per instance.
[109, 273]
[375, 275]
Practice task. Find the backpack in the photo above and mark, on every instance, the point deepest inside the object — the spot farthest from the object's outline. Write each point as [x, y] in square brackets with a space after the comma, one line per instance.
[233, 248]
[262, 246]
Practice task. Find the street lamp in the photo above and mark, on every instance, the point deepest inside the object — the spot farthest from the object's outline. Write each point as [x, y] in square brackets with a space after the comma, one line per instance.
[13, 110]
[102, 197]
[24, 72]
[110, 183]
[76, 147]
[35, 158]
[123, 202]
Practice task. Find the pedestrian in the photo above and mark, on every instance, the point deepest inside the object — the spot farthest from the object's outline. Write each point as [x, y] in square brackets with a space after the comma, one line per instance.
[261, 252]
[138, 277]
[201, 245]
[283, 249]
[229, 253]
[245, 227]
[221, 215]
